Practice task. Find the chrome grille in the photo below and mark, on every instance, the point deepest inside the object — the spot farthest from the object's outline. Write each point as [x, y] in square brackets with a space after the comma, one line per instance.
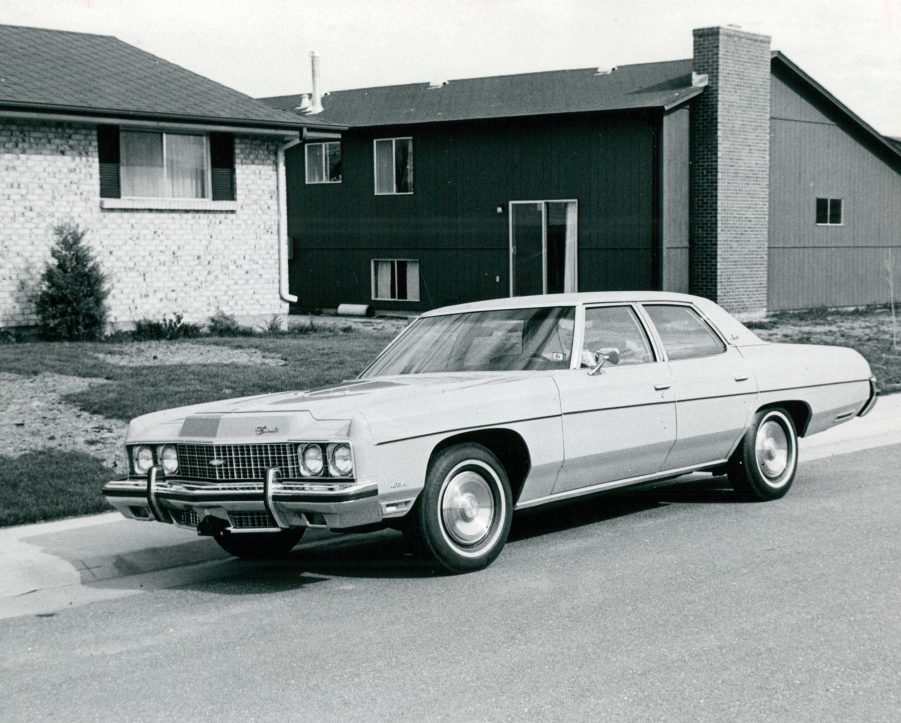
[238, 461]
[248, 520]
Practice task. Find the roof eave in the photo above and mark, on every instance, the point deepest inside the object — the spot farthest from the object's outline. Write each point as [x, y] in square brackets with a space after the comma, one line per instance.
[688, 95]
[684, 98]
[114, 114]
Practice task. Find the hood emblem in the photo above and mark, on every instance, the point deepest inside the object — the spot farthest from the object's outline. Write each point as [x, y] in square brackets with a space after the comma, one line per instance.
[267, 430]
[216, 462]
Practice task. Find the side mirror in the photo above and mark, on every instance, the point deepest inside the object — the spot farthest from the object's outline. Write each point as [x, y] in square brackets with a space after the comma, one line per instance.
[607, 354]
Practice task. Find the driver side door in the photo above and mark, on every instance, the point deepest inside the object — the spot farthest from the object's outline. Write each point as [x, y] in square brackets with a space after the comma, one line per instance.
[621, 422]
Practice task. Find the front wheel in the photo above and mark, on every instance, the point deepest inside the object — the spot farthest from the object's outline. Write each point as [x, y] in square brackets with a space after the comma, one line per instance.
[466, 508]
[259, 545]
[764, 465]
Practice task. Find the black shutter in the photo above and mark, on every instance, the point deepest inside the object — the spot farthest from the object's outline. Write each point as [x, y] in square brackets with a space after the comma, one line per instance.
[108, 154]
[222, 162]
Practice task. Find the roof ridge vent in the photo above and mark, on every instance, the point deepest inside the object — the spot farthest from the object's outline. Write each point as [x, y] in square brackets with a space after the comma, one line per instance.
[699, 80]
[606, 71]
[435, 84]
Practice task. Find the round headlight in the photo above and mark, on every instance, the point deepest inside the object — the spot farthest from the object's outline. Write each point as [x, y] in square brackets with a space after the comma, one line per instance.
[340, 461]
[169, 459]
[311, 460]
[142, 458]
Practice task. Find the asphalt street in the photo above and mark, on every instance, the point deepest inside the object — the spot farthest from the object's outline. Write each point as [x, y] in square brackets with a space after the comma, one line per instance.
[675, 602]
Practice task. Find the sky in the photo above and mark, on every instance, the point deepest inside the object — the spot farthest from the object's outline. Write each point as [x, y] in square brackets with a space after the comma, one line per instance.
[261, 47]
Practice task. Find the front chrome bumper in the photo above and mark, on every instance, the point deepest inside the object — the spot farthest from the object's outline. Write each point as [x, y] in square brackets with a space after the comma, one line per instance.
[237, 507]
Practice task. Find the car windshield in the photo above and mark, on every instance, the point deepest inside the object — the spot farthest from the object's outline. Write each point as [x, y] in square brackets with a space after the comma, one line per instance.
[489, 341]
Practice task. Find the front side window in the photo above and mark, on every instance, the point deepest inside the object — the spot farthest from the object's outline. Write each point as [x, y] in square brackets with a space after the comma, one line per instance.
[164, 165]
[395, 280]
[829, 212]
[615, 328]
[502, 340]
[323, 162]
[685, 335]
[393, 166]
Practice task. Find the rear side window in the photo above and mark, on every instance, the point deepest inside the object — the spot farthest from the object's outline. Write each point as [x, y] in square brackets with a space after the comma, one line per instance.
[685, 335]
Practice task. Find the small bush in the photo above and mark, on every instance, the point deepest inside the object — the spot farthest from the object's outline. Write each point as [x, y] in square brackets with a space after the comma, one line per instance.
[167, 329]
[308, 328]
[71, 303]
[222, 324]
[273, 327]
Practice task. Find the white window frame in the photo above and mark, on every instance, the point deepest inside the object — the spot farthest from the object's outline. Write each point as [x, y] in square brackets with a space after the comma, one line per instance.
[511, 260]
[306, 160]
[375, 168]
[374, 281]
[207, 164]
[829, 200]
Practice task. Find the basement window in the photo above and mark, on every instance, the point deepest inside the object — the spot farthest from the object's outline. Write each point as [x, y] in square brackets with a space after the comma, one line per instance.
[395, 280]
[323, 161]
[829, 212]
[393, 166]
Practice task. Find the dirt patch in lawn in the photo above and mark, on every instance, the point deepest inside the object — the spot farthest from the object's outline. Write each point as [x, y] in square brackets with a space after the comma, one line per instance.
[36, 417]
[157, 353]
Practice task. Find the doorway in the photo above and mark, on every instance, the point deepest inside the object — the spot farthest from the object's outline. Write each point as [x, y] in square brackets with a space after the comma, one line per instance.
[543, 247]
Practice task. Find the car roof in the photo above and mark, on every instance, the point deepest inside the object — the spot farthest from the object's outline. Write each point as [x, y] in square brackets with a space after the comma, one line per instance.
[731, 328]
[594, 297]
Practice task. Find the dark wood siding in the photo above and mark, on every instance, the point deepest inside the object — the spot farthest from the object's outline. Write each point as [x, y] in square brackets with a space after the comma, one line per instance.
[462, 173]
[675, 200]
[815, 153]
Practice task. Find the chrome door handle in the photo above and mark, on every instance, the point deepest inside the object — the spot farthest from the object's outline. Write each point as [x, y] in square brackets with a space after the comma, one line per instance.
[741, 378]
[664, 385]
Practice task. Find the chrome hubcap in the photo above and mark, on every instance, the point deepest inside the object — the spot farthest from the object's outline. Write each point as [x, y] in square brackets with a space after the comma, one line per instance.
[467, 508]
[772, 448]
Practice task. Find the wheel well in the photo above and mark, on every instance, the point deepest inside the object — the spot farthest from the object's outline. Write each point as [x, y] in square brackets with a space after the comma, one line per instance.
[800, 413]
[510, 448]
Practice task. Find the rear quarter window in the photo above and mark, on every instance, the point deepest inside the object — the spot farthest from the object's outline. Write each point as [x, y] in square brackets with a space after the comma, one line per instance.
[685, 335]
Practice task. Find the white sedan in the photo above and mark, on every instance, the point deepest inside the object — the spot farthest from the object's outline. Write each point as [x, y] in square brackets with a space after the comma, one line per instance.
[479, 410]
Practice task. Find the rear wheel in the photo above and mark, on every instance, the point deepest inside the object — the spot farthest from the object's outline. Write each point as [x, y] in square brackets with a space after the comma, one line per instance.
[764, 465]
[466, 508]
[259, 545]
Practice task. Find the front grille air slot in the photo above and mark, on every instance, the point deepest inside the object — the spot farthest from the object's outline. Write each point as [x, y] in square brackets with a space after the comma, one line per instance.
[235, 461]
[184, 517]
[251, 520]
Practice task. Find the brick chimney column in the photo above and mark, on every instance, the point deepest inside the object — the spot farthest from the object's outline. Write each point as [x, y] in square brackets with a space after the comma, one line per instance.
[730, 162]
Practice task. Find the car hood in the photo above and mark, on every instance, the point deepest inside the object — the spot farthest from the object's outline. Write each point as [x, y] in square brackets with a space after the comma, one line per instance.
[326, 411]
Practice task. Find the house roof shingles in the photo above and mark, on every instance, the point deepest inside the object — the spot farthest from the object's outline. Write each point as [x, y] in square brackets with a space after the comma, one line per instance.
[646, 85]
[65, 72]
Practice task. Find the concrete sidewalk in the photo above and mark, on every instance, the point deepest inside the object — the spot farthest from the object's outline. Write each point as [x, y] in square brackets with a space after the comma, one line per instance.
[49, 566]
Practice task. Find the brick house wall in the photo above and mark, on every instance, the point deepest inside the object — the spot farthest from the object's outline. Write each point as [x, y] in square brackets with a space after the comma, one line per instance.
[159, 262]
[730, 147]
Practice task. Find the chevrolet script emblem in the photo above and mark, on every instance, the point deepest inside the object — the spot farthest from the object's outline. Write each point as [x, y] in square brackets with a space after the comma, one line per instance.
[267, 430]
[217, 462]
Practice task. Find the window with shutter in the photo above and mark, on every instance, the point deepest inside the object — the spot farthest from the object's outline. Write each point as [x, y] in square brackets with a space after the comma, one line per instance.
[108, 154]
[157, 165]
[222, 166]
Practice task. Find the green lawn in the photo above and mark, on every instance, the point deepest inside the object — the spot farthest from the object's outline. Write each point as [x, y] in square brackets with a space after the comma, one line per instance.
[312, 360]
[46, 484]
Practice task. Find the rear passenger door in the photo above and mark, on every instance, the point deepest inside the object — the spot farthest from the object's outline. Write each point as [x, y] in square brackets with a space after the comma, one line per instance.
[714, 386]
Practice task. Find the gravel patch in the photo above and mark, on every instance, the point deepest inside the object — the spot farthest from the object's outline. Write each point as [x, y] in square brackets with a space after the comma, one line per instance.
[157, 353]
[36, 417]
